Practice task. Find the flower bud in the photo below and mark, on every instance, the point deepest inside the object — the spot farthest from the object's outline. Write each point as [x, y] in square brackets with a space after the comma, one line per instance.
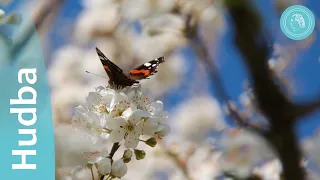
[119, 168]
[127, 154]
[12, 19]
[151, 142]
[89, 166]
[140, 154]
[164, 131]
[104, 166]
[126, 160]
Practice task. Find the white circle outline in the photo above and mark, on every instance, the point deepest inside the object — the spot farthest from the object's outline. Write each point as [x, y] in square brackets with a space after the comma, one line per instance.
[297, 10]
[301, 10]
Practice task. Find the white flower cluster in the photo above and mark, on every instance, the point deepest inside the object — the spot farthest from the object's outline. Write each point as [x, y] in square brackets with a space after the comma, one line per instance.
[243, 150]
[120, 116]
[135, 32]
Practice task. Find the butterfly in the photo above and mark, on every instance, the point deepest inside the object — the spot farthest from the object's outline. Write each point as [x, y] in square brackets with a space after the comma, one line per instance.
[119, 80]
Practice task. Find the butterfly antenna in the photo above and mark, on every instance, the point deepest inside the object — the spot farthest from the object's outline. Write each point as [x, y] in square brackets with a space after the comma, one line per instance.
[96, 74]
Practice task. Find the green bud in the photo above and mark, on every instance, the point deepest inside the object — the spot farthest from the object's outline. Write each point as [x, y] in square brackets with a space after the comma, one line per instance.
[10, 19]
[151, 142]
[127, 154]
[140, 154]
[126, 160]
[13, 19]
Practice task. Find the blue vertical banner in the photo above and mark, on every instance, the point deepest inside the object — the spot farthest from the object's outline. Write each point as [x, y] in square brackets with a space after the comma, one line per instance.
[26, 126]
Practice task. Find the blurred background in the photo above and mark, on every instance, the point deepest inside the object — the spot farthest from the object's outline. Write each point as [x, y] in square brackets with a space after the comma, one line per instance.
[205, 143]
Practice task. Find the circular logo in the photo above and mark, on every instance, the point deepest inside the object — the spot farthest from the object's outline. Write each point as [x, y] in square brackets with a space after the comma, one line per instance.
[297, 22]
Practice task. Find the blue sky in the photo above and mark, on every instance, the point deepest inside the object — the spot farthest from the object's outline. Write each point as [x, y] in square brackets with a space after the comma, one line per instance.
[232, 69]
[306, 72]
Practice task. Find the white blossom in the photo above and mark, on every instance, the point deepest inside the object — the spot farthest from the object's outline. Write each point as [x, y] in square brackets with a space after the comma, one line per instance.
[125, 115]
[91, 23]
[2, 13]
[137, 9]
[242, 151]
[74, 148]
[93, 4]
[129, 127]
[311, 147]
[129, 116]
[197, 117]
[270, 170]
[119, 168]
[104, 166]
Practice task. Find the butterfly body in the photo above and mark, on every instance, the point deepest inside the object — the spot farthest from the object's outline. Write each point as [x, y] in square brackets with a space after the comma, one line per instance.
[119, 80]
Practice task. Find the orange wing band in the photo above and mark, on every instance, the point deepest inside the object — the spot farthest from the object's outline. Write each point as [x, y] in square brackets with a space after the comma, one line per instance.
[145, 72]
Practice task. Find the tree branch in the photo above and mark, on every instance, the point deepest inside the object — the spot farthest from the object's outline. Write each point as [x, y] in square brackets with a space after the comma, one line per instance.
[305, 109]
[271, 101]
[202, 52]
[114, 149]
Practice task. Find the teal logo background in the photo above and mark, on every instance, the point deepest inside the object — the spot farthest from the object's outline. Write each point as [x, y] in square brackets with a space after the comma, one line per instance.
[297, 22]
[14, 56]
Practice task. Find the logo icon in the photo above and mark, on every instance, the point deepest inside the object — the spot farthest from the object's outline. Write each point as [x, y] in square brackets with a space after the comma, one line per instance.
[297, 22]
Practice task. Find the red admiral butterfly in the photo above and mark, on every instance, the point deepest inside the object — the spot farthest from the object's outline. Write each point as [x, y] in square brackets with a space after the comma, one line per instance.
[118, 79]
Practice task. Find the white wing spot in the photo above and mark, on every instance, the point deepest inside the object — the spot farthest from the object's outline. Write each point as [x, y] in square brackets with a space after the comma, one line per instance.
[147, 64]
[154, 65]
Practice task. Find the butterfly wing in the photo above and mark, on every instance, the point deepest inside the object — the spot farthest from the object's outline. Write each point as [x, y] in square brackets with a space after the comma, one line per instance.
[146, 70]
[116, 76]
[109, 66]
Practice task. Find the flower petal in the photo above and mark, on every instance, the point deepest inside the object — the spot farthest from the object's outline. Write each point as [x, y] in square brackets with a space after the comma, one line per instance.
[119, 108]
[136, 116]
[118, 97]
[106, 99]
[92, 97]
[164, 131]
[116, 122]
[149, 127]
[127, 113]
[116, 135]
[104, 166]
[156, 107]
[94, 119]
[132, 140]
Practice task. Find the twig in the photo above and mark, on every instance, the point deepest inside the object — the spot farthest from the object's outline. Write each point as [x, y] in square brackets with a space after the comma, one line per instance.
[272, 102]
[114, 149]
[92, 176]
[305, 109]
[200, 49]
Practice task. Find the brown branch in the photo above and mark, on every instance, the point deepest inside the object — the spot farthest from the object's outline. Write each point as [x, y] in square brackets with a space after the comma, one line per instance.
[305, 109]
[202, 52]
[271, 101]
[114, 149]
